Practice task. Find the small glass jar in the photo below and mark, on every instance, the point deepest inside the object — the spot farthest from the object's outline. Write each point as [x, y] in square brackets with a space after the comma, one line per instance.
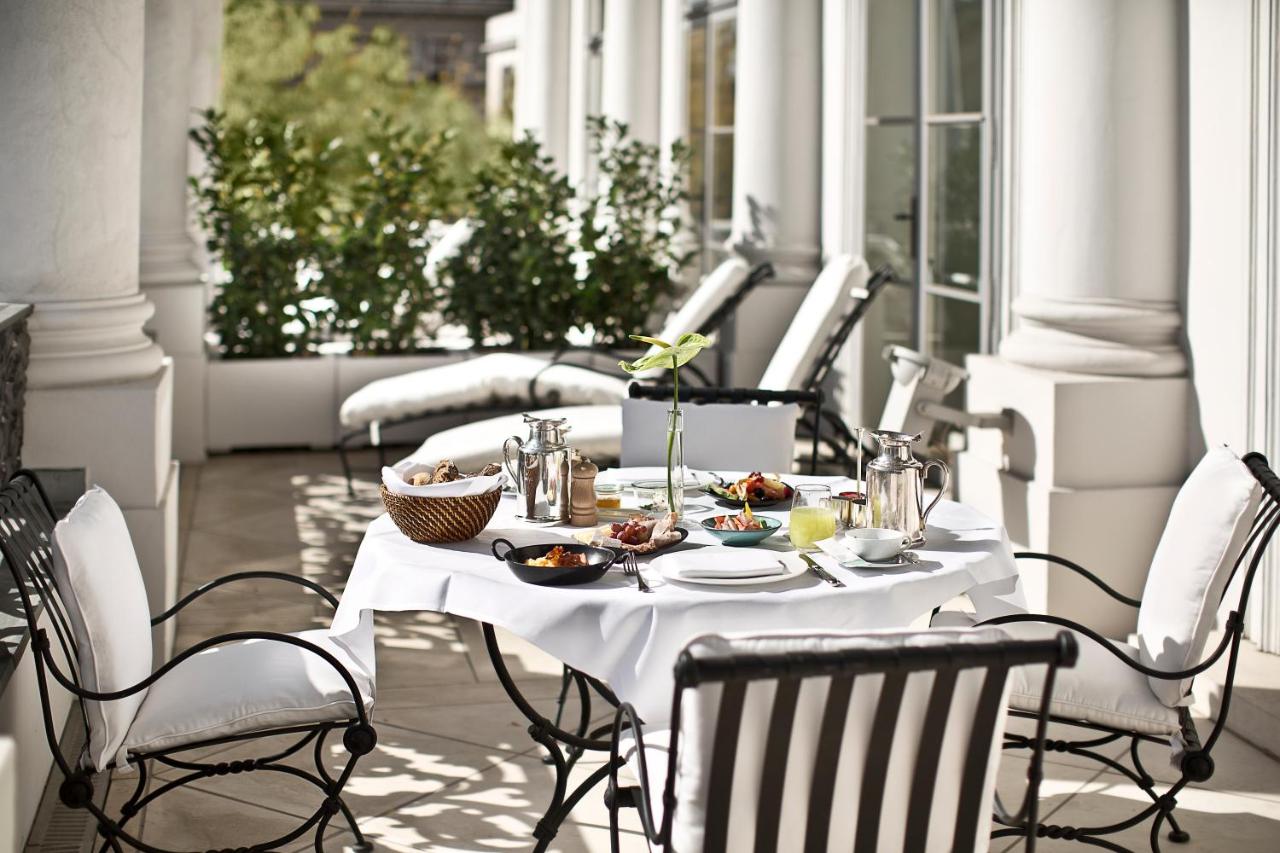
[608, 496]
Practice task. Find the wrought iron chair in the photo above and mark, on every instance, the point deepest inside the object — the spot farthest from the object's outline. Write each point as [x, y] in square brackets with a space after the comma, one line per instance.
[27, 523]
[1140, 693]
[765, 730]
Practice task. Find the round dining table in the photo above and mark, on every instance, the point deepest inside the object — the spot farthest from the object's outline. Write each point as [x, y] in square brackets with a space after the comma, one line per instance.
[620, 644]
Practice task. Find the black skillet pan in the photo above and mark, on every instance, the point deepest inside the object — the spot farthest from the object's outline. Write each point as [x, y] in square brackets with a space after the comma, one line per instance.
[598, 562]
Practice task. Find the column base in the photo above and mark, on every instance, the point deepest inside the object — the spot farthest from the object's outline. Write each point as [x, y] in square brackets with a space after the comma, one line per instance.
[1100, 337]
[179, 325]
[87, 341]
[1075, 479]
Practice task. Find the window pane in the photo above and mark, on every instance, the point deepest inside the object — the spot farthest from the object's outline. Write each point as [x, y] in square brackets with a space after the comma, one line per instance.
[953, 328]
[725, 70]
[955, 204]
[891, 58]
[722, 177]
[955, 56]
[697, 176]
[890, 186]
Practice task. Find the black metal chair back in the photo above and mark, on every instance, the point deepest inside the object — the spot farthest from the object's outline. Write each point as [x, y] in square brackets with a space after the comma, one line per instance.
[27, 520]
[865, 742]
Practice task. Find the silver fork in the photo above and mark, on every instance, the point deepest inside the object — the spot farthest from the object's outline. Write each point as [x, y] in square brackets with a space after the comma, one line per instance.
[631, 568]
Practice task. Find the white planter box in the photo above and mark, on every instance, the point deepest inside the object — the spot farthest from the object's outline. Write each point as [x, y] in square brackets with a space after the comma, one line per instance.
[293, 402]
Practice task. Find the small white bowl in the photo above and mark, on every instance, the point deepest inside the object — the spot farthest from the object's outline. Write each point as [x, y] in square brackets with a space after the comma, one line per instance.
[876, 544]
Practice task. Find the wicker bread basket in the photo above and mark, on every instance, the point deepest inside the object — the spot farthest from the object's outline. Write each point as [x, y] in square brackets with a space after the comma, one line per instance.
[433, 520]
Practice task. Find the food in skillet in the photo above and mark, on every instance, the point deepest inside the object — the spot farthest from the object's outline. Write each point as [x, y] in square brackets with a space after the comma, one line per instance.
[742, 521]
[640, 533]
[755, 487]
[558, 558]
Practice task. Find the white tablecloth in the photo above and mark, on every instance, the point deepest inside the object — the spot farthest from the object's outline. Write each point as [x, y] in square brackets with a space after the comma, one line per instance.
[630, 640]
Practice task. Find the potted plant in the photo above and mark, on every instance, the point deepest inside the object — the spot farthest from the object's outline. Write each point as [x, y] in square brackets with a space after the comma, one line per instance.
[671, 357]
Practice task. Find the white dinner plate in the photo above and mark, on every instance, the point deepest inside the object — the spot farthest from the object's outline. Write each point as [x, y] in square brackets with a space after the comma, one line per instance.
[671, 574]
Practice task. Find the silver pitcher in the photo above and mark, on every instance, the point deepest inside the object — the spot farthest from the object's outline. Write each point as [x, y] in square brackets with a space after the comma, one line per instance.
[539, 467]
[895, 486]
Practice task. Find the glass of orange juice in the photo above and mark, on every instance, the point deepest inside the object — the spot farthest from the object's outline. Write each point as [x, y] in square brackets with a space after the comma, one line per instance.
[812, 517]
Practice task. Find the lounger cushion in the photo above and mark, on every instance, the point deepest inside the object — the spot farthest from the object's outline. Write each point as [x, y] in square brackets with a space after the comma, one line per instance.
[717, 436]
[1204, 535]
[248, 686]
[833, 294]
[497, 379]
[98, 579]
[1098, 689]
[596, 431]
[504, 378]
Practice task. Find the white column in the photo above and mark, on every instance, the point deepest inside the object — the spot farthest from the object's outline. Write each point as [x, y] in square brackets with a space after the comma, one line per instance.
[1093, 372]
[1098, 188]
[180, 78]
[542, 76]
[579, 106]
[673, 102]
[632, 52]
[99, 390]
[777, 155]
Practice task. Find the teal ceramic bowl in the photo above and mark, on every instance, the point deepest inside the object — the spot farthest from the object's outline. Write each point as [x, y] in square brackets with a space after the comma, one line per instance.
[741, 538]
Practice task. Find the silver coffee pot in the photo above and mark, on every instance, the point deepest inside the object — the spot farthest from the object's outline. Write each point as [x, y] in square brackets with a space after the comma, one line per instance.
[539, 467]
[895, 486]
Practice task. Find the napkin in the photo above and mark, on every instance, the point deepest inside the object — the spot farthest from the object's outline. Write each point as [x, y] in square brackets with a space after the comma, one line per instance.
[722, 563]
[397, 478]
[833, 547]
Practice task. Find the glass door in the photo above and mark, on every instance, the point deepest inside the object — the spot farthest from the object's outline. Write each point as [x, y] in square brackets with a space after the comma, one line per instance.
[711, 49]
[927, 180]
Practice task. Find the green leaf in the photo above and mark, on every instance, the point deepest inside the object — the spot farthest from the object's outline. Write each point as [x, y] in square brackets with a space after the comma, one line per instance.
[669, 357]
[657, 342]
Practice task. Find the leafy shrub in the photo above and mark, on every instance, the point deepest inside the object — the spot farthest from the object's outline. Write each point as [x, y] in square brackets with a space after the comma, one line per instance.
[630, 232]
[378, 243]
[514, 278]
[262, 203]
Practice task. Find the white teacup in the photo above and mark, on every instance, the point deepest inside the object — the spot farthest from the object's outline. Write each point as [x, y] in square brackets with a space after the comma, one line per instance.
[876, 544]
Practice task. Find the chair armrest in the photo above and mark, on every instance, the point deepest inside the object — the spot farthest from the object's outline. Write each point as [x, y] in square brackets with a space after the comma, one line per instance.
[715, 394]
[1080, 570]
[42, 643]
[626, 717]
[242, 576]
[1233, 622]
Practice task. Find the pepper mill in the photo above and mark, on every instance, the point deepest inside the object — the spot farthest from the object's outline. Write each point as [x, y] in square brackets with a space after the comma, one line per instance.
[582, 494]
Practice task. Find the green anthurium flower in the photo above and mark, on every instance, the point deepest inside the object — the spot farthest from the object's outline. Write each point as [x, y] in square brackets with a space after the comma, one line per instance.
[670, 357]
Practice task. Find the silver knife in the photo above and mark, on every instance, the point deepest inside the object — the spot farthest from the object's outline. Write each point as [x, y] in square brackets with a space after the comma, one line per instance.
[820, 572]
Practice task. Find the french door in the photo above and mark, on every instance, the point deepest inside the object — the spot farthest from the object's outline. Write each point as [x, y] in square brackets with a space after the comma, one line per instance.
[929, 159]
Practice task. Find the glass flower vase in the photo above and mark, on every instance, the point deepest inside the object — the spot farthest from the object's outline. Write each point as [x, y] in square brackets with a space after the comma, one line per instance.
[676, 473]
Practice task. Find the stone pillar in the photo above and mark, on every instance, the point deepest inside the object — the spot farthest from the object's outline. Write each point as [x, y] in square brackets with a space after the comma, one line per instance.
[99, 391]
[632, 51]
[1093, 370]
[673, 97]
[542, 76]
[178, 82]
[777, 154]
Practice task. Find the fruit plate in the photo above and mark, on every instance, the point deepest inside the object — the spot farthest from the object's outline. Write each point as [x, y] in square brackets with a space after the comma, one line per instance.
[717, 491]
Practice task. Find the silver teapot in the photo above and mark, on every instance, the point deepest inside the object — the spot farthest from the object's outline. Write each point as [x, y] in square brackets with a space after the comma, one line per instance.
[895, 486]
[539, 467]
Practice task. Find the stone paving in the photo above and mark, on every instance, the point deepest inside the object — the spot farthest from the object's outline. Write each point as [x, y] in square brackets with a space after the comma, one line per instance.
[454, 769]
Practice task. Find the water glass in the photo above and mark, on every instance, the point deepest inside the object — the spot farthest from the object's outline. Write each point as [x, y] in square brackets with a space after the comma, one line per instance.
[812, 517]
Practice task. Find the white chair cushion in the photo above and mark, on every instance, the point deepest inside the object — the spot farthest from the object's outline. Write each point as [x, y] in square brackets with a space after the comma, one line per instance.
[840, 284]
[494, 378]
[1207, 528]
[734, 436]
[698, 728]
[253, 685]
[100, 584]
[1098, 689]
[596, 431]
